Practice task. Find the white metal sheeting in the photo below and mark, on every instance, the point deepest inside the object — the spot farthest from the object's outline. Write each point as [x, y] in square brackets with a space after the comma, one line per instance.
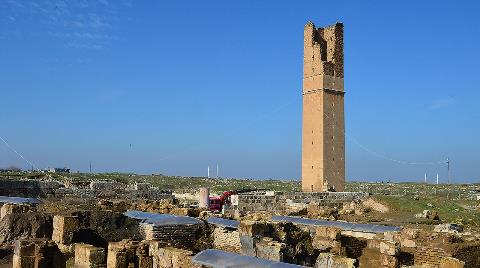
[18, 200]
[157, 219]
[221, 259]
[346, 226]
[223, 222]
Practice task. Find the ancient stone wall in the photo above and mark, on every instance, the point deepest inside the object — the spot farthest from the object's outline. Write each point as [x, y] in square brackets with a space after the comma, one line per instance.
[277, 203]
[429, 256]
[251, 203]
[37, 253]
[15, 208]
[29, 188]
[226, 239]
[176, 235]
[325, 198]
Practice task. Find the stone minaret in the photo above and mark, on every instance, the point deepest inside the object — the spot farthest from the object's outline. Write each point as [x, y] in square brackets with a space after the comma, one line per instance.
[323, 138]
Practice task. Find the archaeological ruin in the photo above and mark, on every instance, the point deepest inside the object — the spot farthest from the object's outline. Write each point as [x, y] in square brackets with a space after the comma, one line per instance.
[92, 220]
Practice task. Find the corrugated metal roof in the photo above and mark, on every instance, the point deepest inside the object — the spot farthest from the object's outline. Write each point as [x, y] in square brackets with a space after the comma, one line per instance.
[221, 259]
[19, 200]
[223, 222]
[157, 219]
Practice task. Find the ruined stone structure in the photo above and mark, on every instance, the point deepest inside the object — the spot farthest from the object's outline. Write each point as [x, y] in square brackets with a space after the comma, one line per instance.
[323, 138]
[279, 203]
[226, 239]
[37, 253]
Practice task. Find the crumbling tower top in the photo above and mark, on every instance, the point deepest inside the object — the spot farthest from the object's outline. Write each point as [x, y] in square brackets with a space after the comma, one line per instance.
[323, 50]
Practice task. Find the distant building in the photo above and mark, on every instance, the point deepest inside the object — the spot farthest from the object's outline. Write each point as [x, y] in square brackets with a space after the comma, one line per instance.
[57, 170]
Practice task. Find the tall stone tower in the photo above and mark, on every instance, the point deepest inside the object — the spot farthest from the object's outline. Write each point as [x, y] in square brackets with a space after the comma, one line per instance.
[323, 138]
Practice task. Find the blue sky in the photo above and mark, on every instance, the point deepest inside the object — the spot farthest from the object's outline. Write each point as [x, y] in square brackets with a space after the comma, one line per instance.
[171, 87]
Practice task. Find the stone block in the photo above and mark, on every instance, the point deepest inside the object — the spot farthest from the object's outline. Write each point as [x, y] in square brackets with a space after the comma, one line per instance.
[410, 233]
[37, 253]
[329, 260]
[408, 243]
[172, 258]
[451, 263]
[248, 244]
[253, 228]
[88, 256]
[270, 250]
[332, 233]
[64, 228]
[388, 261]
[389, 248]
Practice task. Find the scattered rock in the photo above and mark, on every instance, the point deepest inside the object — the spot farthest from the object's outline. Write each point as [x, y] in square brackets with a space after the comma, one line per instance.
[449, 228]
[375, 206]
[427, 214]
[316, 210]
[329, 260]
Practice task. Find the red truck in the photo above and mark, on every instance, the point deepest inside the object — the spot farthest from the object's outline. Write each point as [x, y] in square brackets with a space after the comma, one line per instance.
[217, 202]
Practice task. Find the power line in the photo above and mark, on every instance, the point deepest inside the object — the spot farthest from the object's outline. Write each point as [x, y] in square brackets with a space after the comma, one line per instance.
[379, 155]
[17, 153]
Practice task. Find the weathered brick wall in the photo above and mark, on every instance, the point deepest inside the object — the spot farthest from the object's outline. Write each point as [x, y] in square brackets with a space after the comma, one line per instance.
[227, 240]
[38, 253]
[429, 257]
[326, 198]
[180, 236]
[254, 203]
[28, 188]
[277, 203]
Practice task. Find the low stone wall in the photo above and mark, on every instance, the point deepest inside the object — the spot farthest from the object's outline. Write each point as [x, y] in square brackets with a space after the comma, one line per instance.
[281, 202]
[147, 254]
[326, 198]
[178, 235]
[127, 194]
[38, 253]
[256, 203]
[8, 209]
[29, 188]
[429, 256]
